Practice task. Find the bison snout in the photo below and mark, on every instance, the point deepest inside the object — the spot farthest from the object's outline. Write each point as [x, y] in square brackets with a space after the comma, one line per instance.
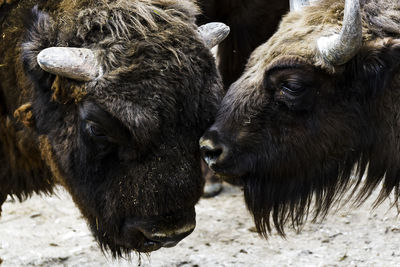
[149, 234]
[213, 151]
[220, 154]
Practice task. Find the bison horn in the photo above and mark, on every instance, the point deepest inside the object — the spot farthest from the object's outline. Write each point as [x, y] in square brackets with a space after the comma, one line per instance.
[339, 48]
[296, 5]
[213, 33]
[76, 63]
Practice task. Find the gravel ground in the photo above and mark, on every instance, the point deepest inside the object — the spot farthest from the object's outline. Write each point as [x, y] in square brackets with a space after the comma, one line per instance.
[49, 231]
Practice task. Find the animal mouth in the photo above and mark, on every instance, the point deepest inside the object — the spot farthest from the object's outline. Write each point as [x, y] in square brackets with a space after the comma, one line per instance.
[149, 246]
[170, 239]
[141, 243]
[150, 234]
[153, 245]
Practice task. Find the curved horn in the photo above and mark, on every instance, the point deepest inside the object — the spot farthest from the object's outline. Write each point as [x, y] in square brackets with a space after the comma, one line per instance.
[296, 5]
[76, 63]
[339, 48]
[213, 33]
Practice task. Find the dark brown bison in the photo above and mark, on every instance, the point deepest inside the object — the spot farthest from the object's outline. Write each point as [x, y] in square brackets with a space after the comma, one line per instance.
[317, 103]
[109, 99]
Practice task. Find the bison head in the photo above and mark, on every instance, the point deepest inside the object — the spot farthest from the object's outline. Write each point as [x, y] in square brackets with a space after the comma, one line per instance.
[119, 111]
[318, 102]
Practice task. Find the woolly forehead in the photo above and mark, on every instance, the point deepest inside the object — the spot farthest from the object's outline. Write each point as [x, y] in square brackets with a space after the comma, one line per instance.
[122, 29]
[298, 34]
[151, 86]
[121, 16]
[141, 49]
[139, 106]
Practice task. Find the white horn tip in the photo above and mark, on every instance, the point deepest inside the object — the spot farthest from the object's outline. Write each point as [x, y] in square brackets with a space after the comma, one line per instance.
[338, 49]
[75, 63]
[214, 33]
[325, 47]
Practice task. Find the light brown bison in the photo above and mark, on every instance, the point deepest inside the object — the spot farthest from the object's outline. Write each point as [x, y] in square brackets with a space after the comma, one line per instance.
[317, 103]
[109, 99]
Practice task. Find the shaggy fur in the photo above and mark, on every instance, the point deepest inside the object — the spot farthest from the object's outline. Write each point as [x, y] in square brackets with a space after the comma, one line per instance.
[295, 128]
[252, 22]
[124, 145]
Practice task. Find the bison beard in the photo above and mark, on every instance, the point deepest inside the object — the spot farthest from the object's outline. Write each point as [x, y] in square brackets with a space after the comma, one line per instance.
[295, 128]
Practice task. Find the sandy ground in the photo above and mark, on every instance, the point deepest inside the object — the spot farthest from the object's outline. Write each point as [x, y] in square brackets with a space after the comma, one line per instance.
[49, 231]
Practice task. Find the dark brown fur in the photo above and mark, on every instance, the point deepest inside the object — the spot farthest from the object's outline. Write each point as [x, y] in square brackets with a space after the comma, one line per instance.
[294, 128]
[124, 145]
[251, 22]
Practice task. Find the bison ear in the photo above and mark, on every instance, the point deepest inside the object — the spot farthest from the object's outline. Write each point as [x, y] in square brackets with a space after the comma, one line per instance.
[41, 34]
[377, 62]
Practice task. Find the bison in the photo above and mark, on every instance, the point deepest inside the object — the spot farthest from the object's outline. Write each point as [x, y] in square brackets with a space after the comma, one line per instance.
[318, 103]
[109, 99]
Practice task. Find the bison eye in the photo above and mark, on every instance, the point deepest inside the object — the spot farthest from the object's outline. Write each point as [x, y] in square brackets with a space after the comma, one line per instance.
[94, 130]
[292, 90]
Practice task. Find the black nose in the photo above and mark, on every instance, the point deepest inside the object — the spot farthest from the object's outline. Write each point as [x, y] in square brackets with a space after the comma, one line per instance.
[212, 151]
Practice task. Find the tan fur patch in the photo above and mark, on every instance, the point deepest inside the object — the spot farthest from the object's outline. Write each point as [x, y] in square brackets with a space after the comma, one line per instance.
[47, 154]
[6, 2]
[24, 114]
[65, 91]
[77, 93]
[3, 2]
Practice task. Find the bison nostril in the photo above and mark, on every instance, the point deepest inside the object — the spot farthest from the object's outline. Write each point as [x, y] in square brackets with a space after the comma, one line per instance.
[212, 155]
[210, 152]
